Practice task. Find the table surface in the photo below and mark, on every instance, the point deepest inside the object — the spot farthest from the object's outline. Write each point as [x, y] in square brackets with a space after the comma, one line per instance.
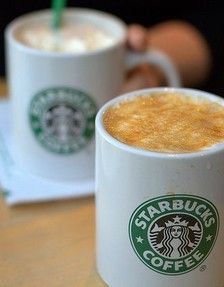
[48, 244]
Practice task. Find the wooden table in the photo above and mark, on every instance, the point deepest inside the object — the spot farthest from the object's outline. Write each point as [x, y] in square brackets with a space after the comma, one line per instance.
[48, 244]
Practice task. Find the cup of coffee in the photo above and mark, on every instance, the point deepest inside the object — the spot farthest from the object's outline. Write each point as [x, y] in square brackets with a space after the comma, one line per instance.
[159, 189]
[58, 80]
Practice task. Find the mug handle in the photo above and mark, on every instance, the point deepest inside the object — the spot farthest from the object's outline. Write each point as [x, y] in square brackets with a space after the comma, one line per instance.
[158, 59]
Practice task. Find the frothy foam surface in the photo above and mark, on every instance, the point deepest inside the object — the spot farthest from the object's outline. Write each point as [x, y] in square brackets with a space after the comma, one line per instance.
[166, 122]
[72, 38]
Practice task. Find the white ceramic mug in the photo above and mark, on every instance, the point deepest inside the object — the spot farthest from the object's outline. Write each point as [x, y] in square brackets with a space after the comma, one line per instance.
[147, 200]
[44, 83]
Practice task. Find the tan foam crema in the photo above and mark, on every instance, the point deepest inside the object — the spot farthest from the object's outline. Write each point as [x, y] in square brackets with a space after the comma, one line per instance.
[166, 122]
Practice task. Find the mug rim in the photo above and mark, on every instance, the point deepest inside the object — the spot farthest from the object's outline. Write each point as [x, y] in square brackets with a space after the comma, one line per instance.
[153, 154]
[14, 24]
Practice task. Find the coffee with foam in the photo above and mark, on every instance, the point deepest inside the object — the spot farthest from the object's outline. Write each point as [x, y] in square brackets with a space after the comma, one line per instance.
[70, 38]
[166, 122]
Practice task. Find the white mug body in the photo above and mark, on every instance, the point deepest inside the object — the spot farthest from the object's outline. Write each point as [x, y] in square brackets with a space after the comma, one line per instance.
[92, 78]
[142, 195]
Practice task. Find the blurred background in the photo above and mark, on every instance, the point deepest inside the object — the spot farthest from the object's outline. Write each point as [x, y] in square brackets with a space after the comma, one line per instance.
[207, 16]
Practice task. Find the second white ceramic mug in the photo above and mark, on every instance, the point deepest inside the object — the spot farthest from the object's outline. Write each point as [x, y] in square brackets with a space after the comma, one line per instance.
[55, 96]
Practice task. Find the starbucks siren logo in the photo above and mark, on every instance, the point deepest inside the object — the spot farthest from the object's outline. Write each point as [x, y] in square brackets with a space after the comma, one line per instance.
[62, 119]
[174, 234]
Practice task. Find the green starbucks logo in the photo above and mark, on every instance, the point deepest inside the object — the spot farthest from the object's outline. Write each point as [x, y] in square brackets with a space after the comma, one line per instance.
[174, 234]
[62, 119]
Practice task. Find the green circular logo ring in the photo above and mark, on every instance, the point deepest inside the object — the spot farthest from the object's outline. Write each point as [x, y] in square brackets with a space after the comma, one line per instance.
[62, 119]
[174, 234]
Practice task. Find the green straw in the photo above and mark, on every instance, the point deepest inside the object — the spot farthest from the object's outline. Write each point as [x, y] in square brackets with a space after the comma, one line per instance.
[57, 8]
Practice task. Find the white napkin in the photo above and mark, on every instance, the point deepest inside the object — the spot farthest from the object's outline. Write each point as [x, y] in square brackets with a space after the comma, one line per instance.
[20, 186]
